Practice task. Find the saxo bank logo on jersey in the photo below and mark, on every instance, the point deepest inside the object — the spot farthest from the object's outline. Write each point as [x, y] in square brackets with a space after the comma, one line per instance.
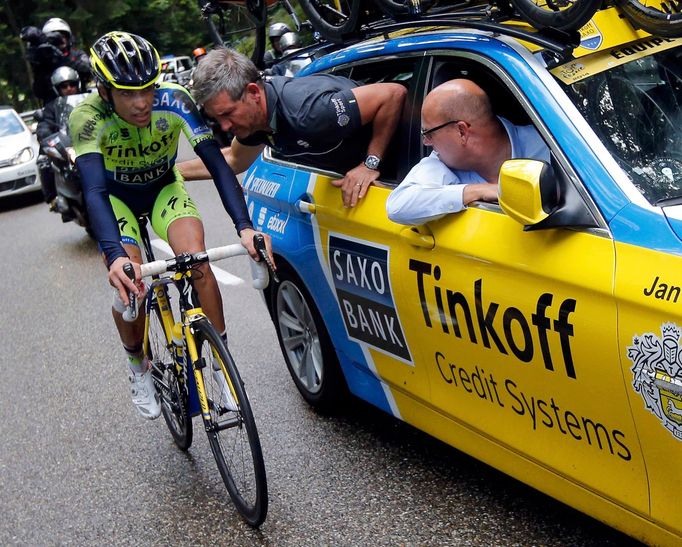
[657, 374]
[363, 289]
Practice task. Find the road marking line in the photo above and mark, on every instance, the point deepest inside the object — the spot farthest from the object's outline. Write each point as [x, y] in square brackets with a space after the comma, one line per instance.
[224, 277]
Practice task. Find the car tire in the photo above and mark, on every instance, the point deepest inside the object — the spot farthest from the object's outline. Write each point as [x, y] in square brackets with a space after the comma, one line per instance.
[305, 343]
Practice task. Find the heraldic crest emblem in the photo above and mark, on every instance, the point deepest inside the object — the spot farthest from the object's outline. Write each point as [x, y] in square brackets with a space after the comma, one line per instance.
[657, 374]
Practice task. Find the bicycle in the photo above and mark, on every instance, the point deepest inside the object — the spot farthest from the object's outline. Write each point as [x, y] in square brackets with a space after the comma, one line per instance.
[241, 24]
[195, 373]
[336, 19]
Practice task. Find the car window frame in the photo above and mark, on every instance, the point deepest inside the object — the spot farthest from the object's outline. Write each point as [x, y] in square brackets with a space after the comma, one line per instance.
[559, 158]
[406, 128]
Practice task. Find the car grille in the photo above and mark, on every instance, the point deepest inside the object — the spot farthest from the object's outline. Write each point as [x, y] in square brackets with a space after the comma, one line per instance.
[16, 184]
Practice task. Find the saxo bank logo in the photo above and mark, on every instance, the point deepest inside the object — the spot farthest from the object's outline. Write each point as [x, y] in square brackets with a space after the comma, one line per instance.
[360, 273]
[657, 371]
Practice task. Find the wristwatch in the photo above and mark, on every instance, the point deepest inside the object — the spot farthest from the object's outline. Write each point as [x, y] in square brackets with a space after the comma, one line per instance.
[372, 162]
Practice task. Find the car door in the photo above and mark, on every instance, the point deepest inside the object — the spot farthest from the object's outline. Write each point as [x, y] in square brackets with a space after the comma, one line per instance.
[518, 330]
[355, 247]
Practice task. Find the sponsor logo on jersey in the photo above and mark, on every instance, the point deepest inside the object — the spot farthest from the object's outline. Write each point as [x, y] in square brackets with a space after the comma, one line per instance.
[162, 124]
[176, 100]
[119, 151]
[142, 175]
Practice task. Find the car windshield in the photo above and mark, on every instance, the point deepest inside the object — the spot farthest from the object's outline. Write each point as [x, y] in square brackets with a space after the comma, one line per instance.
[632, 99]
[9, 123]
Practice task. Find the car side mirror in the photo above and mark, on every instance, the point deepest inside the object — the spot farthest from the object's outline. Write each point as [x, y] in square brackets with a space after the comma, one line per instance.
[528, 191]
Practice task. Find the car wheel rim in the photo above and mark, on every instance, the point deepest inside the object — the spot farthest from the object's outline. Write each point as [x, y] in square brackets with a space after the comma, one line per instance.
[299, 337]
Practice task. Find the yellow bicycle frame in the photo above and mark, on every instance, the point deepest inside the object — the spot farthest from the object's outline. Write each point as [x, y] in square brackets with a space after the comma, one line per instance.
[182, 330]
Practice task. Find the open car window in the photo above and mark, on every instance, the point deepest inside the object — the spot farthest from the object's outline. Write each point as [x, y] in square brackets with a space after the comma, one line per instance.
[397, 70]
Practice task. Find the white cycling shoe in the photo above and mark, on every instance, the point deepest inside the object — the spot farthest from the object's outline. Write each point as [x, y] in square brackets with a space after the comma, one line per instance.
[226, 398]
[145, 396]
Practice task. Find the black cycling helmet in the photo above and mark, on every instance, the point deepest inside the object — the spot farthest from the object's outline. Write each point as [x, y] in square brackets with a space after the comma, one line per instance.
[124, 61]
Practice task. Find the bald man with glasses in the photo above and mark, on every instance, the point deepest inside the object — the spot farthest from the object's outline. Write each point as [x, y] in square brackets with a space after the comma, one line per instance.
[470, 144]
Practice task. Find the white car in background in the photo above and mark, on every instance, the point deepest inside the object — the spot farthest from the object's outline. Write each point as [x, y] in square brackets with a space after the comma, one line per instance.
[18, 154]
[177, 70]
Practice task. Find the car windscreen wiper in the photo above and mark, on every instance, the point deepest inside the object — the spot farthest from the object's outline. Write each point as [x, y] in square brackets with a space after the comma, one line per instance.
[669, 202]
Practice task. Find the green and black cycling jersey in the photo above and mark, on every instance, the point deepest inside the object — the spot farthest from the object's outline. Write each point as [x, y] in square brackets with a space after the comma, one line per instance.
[134, 164]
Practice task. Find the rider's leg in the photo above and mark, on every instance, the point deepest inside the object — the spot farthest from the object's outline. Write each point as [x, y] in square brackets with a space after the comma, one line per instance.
[175, 218]
[187, 235]
[144, 393]
[131, 333]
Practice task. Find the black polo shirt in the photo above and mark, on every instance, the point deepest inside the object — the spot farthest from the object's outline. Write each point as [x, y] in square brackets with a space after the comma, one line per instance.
[313, 119]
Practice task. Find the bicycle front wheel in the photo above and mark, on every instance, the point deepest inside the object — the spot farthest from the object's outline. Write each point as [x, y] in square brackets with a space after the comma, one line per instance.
[566, 15]
[333, 19]
[657, 17]
[170, 381]
[230, 426]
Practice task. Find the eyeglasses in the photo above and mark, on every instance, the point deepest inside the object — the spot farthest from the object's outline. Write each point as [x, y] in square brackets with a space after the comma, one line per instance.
[64, 85]
[427, 132]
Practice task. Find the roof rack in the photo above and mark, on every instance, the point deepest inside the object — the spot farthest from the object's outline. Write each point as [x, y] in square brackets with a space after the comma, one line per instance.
[555, 40]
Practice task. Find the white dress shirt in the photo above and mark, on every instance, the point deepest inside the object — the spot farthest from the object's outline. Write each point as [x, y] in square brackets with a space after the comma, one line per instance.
[431, 189]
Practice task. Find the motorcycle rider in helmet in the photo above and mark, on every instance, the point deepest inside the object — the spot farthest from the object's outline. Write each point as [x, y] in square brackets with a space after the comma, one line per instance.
[290, 43]
[47, 50]
[275, 33]
[65, 81]
[126, 141]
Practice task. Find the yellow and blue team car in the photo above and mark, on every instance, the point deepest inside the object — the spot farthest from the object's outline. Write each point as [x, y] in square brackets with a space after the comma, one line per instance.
[540, 335]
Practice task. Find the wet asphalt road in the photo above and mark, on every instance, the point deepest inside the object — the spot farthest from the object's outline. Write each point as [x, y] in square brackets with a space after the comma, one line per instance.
[78, 467]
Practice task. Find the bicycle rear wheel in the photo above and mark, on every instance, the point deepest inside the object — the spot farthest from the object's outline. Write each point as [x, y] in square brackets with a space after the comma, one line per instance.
[230, 426]
[333, 19]
[566, 15]
[238, 26]
[170, 382]
[658, 17]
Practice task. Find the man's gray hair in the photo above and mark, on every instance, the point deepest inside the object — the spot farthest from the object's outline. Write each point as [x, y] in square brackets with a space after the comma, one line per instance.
[223, 69]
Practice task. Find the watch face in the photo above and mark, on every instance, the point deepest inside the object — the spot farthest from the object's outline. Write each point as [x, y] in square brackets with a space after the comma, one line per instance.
[372, 162]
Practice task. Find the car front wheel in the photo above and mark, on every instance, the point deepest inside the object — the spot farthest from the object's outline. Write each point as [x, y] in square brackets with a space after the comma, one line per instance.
[306, 344]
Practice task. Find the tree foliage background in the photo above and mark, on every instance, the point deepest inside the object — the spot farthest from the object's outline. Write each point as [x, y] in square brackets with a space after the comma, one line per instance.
[173, 26]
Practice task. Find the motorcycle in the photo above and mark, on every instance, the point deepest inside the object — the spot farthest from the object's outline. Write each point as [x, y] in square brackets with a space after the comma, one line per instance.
[59, 152]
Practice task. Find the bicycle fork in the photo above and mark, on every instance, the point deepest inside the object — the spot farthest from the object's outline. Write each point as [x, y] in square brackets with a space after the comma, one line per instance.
[199, 363]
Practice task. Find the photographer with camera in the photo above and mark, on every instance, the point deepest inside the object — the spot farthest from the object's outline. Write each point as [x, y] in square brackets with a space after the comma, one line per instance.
[49, 49]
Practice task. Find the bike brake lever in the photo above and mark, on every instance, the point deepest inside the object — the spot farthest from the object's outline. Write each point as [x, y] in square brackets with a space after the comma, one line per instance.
[259, 244]
[130, 313]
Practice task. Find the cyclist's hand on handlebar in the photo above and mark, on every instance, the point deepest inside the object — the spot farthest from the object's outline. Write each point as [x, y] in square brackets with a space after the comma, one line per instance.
[246, 236]
[121, 282]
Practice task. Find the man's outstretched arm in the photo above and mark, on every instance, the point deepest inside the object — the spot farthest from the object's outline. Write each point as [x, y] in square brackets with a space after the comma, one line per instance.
[381, 105]
[238, 156]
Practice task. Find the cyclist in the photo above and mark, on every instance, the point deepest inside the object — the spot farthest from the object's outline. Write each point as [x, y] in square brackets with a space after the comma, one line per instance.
[126, 138]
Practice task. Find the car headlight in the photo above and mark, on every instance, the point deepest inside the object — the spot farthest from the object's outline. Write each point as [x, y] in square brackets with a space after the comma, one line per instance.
[24, 156]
